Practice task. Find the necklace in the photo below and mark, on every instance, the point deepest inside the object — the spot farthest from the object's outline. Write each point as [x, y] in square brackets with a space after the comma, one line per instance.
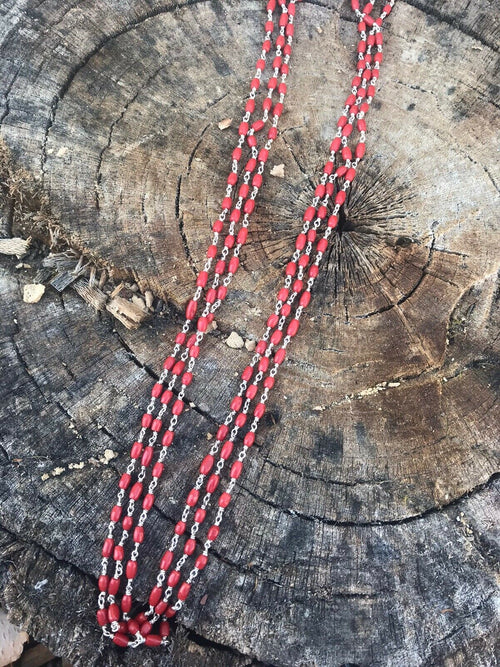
[135, 496]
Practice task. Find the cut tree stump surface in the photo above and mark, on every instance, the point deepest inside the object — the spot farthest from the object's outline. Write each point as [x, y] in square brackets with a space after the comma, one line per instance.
[363, 529]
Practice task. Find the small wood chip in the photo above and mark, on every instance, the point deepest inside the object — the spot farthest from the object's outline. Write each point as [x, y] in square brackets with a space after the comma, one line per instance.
[225, 123]
[278, 170]
[148, 295]
[92, 295]
[117, 290]
[33, 293]
[139, 301]
[235, 341]
[14, 246]
[127, 312]
[250, 345]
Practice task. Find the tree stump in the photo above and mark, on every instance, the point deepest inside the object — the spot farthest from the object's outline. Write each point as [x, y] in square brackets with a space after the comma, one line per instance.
[363, 529]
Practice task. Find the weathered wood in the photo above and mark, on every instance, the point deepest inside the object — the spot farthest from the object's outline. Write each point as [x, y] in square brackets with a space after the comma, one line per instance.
[363, 530]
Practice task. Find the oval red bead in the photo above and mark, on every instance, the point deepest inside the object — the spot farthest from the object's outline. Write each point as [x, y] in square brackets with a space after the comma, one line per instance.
[107, 548]
[199, 515]
[153, 640]
[147, 456]
[135, 491]
[224, 499]
[139, 534]
[113, 612]
[114, 585]
[206, 464]
[167, 438]
[236, 469]
[192, 498]
[155, 595]
[226, 450]
[121, 640]
[190, 547]
[148, 501]
[180, 527]
[212, 533]
[184, 589]
[102, 616]
[131, 569]
[118, 553]
[213, 483]
[173, 578]
[201, 561]
[166, 560]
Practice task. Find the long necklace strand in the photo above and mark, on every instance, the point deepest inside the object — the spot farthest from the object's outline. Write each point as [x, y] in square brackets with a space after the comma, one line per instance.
[259, 376]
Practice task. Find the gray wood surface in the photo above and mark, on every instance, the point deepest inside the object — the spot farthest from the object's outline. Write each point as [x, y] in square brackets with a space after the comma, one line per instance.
[365, 527]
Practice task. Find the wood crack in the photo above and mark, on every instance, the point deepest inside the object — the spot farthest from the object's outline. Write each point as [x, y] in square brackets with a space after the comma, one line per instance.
[371, 524]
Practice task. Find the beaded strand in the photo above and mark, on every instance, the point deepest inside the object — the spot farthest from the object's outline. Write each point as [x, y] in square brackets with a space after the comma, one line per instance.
[295, 287]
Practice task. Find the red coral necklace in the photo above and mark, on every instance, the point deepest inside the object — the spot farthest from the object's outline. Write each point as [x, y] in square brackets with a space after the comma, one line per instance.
[138, 484]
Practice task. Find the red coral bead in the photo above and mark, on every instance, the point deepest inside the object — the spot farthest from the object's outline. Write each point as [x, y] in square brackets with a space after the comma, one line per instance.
[236, 469]
[260, 408]
[148, 501]
[213, 533]
[146, 628]
[164, 629]
[236, 403]
[153, 640]
[147, 456]
[199, 515]
[113, 612]
[167, 438]
[114, 585]
[206, 464]
[180, 527]
[201, 561]
[118, 552]
[192, 307]
[226, 450]
[131, 569]
[340, 197]
[102, 616]
[139, 534]
[190, 547]
[107, 548]
[157, 469]
[136, 490]
[224, 499]
[103, 582]
[213, 483]
[116, 513]
[166, 396]
[249, 439]
[177, 407]
[133, 626]
[166, 560]
[192, 498]
[279, 357]
[173, 578]
[121, 640]
[155, 595]
[184, 589]
[269, 382]
[240, 420]
[124, 481]
[146, 420]
[127, 522]
[251, 392]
